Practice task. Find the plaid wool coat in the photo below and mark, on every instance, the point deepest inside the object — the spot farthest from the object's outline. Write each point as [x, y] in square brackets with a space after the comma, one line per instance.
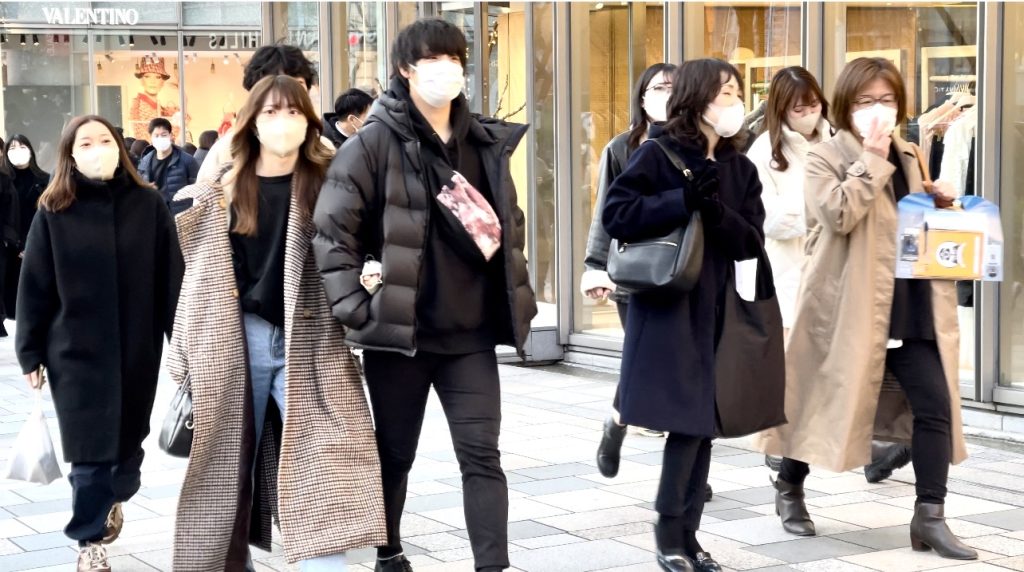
[325, 487]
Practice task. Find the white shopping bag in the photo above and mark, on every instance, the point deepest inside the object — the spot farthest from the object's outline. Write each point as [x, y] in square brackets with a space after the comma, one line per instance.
[32, 457]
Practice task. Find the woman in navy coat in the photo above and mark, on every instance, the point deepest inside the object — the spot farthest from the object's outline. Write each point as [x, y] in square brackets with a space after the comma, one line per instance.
[668, 375]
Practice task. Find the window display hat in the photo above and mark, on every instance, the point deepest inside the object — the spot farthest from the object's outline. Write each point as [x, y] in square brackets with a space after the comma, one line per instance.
[152, 65]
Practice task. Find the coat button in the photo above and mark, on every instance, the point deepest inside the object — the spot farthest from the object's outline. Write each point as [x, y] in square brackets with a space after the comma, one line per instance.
[222, 204]
[234, 292]
[307, 313]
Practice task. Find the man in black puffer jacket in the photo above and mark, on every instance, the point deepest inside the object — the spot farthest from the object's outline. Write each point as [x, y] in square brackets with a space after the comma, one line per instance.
[443, 303]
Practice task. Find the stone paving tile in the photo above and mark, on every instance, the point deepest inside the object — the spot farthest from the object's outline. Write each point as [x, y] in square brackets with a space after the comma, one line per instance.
[579, 557]
[550, 486]
[48, 557]
[866, 514]
[830, 565]
[809, 549]
[1008, 519]
[767, 529]
[906, 560]
[731, 514]
[956, 505]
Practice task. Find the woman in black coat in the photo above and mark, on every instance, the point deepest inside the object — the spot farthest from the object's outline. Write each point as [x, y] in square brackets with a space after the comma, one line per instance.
[99, 288]
[668, 377]
[29, 182]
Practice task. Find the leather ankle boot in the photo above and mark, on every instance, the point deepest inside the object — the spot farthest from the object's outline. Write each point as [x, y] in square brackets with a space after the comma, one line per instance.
[789, 505]
[928, 530]
[610, 447]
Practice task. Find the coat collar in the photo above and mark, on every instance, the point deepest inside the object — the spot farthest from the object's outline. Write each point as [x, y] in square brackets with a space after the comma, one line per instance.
[851, 149]
[799, 143]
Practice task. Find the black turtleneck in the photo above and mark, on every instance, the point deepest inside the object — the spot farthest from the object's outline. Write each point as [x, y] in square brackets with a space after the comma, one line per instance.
[458, 291]
[911, 315]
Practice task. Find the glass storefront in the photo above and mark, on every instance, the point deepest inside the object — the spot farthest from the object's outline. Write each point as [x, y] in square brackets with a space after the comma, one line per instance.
[566, 69]
[1011, 199]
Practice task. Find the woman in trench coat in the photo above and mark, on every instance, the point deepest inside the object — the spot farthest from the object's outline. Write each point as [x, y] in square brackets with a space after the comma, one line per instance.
[256, 340]
[99, 283]
[668, 372]
[868, 355]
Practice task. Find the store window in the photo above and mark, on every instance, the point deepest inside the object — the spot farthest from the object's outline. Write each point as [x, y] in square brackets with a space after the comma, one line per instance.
[758, 38]
[298, 24]
[1011, 149]
[365, 49]
[45, 76]
[605, 62]
[148, 12]
[36, 12]
[542, 213]
[222, 13]
[935, 47]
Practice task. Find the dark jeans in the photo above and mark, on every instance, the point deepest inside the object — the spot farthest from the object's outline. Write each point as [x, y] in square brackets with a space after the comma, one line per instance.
[95, 487]
[470, 393]
[684, 479]
[918, 367]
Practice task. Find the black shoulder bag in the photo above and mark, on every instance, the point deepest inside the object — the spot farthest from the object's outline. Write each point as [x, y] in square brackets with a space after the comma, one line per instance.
[669, 263]
[176, 433]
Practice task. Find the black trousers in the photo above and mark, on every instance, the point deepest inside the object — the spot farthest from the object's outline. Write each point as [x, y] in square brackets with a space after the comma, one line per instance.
[918, 367]
[95, 487]
[684, 478]
[470, 393]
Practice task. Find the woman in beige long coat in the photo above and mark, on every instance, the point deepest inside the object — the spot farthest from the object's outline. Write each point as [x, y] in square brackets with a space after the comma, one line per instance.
[255, 338]
[856, 324]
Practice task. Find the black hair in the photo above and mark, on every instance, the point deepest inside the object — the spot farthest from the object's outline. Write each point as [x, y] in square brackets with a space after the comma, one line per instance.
[159, 122]
[5, 168]
[353, 102]
[32, 164]
[427, 37]
[207, 139]
[639, 120]
[278, 59]
[695, 85]
[190, 148]
[138, 148]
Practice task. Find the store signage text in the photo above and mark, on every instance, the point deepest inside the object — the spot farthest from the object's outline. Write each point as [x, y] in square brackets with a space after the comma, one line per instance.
[86, 16]
[238, 40]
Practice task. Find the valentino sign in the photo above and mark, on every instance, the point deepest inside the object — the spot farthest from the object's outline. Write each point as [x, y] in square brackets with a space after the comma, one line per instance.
[86, 16]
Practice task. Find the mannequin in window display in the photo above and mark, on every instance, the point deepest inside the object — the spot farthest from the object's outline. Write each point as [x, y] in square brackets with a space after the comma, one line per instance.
[148, 103]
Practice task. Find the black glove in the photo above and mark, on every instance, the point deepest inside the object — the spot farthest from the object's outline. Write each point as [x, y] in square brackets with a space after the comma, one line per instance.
[706, 182]
[701, 194]
[711, 210]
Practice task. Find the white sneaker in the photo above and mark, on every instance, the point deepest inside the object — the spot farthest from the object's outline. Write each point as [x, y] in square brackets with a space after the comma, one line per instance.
[93, 558]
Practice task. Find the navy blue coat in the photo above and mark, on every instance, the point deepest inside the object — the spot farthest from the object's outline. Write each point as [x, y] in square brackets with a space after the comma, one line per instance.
[181, 172]
[668, 361]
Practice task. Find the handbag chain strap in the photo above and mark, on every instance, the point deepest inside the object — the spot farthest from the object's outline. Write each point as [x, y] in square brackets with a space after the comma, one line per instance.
[674, 158]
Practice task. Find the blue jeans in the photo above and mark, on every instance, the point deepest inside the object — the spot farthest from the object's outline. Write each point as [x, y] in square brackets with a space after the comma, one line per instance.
[95, 488]
[266, 370]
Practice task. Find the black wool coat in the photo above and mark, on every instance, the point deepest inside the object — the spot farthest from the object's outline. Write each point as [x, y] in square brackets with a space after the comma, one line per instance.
[668, 361]
[99, 287]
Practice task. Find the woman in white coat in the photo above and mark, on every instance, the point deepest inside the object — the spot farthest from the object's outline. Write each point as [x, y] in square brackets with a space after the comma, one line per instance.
[796, 120]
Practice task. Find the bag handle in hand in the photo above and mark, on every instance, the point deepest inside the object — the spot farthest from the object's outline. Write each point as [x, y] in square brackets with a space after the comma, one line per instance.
[676, 160]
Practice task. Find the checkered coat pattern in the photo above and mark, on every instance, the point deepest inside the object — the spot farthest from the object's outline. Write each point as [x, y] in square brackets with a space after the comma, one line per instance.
[328, 491]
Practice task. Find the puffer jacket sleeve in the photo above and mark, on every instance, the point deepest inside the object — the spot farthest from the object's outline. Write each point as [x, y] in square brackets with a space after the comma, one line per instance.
[346, 213]
[840, 198]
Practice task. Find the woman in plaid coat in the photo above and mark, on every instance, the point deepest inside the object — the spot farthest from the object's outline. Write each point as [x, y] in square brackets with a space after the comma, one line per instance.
[282, 428]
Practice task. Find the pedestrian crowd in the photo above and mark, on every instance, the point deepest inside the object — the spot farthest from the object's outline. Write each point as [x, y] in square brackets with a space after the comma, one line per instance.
[392, 226]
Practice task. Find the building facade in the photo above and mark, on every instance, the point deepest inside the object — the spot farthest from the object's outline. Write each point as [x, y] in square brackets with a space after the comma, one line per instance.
[566, 69]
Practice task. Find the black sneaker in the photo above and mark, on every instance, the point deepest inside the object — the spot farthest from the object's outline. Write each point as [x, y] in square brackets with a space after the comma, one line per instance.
[397, 564]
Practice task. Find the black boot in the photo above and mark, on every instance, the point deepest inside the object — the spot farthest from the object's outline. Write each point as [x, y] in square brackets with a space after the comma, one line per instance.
[886, 458]
[928, 530]
[611, 445]
[708, 493]
[396, 564]
[789, 505]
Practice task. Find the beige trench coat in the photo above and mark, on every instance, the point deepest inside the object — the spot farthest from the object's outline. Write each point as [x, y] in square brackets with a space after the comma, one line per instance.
[328, 489]
[835, 359]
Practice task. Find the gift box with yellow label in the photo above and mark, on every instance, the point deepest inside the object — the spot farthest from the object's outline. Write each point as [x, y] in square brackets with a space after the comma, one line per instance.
[949, 255]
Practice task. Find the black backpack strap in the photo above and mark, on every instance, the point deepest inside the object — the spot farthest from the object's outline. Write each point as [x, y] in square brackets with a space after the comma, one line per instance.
[675, 159]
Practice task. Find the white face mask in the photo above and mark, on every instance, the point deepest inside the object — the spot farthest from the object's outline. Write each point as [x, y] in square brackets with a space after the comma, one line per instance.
[282, 135]
[656, 105]
[97, 163]
[19, 156]
[806, 124]
[438, 82]
[863, 118]
[730, 119]
[162, 143]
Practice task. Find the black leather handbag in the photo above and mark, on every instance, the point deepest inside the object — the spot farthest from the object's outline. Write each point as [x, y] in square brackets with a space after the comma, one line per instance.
[176, 433]
[669, 263]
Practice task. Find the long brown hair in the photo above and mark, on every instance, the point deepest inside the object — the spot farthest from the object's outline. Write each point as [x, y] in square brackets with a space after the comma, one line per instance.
[61, 192]
[790, 86]
[855, 77]
[310, 169]
[696, 83]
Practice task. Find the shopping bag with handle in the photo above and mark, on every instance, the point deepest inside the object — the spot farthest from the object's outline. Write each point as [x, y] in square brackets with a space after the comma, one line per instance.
[33, 458]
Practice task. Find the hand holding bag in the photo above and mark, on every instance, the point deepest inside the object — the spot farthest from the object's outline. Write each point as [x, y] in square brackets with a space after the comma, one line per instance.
[669, 263]
[33, 458]
[176, 433]
[750, 361]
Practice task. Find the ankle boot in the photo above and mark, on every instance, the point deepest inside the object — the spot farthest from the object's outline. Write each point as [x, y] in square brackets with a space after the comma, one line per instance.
[928, 530]
[885, 458]
[789, 505]
[610, 447]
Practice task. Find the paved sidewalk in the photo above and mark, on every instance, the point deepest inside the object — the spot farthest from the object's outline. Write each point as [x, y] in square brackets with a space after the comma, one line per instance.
[565, 516]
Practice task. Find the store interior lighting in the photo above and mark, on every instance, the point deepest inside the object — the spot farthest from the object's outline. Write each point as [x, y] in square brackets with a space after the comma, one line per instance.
[35, 40]
[23, 39]
[3, 38]
[226, 59]
[213, 68]
[131, 41]
[109, 57]
[120, 41]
